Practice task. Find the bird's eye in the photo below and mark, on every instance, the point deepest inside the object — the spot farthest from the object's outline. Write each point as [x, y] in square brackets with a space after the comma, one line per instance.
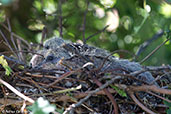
[47, 47]
[50, 58]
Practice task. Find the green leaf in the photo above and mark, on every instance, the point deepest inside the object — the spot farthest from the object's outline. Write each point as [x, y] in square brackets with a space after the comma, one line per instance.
[21, 67]
[142, 12]
[4, 64]
[168, 111]
[108, 3]
[8, 70]
[60, 110]
[119, 91]
[167, 103]
[2, 16]
[116, 55]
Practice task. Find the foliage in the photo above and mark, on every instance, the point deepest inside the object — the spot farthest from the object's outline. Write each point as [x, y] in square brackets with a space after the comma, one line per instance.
[168, 111]
[4, 64]
[119, 91]
[41, 106]
[131, 23]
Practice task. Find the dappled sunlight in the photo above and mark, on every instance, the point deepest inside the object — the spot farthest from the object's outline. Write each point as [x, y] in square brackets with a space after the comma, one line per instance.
[108, 3]
[49, 7]
[166, 10]
[112, 20]
[82, 54]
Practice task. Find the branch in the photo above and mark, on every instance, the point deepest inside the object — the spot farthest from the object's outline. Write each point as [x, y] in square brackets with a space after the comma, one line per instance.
[109, 95]
[159, 96]
[140, 104]
[12, 39]
[97, 33]
[60, 17]
[8, 44]
[16, 91]
[84, 22]
[149, 88]
[71, 107]
[157, 48]
[15, 35]
[148, 42]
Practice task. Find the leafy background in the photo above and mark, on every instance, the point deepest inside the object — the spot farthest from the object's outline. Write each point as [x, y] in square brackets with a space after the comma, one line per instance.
[131, 22]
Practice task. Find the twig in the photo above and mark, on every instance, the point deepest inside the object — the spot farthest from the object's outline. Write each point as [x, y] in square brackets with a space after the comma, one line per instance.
[106, 58]
[125, 51]
[62, 91]
[84, 22]
[63, 76]
[44, 33]
[78, 95]
[3, 36]
[159, 97]
[157, 78]
[11, 102]
[71, 108]
[1, 41]
[21, 57]
[154, 51]
[150, 88]
[158, 68]
[132, 76]
[22, 39]
[109, 95]
[140, 104]
[16, 91]
[12, 38]
[60, 17]
[97, 33]
[148, 42]
[13, 60]
[6, 52]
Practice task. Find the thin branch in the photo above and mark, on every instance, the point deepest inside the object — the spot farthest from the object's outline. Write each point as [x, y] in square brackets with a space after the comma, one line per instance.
[13, 60]
[109, 95]
[159, 97]
[20, 54]
[12, 38]
[3, 36]
[158, 68]
[16, 91]
[84, 22]
[148, 42]
[1, 42]
[150, 88]
[63, 77]
[15, 35]
[132, 75]
[44, 33]
[23, 52]
[71, 108]
[97, 33]
[157, 48]
[140, 104]
[60, 17]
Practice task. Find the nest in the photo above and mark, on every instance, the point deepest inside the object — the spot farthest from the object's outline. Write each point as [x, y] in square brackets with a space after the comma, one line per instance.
[85, 91]
[82, 90]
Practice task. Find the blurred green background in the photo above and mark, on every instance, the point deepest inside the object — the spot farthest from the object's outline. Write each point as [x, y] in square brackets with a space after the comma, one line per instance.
[131, 23]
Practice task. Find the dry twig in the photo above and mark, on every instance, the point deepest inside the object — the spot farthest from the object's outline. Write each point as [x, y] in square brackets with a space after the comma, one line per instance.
[16, 91]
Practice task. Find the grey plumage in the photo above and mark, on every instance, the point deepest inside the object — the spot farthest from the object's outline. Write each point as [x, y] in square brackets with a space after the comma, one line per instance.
[76, 55]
